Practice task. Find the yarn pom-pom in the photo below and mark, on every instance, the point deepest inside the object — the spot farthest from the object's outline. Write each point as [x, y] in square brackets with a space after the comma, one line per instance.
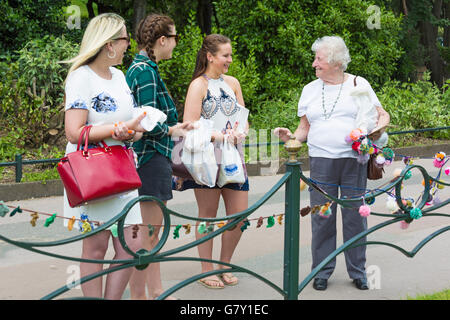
[325, 214]
[439, 159]
[440, 156]
[438, 163]
[404, 225]
[388, 153]
[392, 205]
[363, 158]
[415, 213]
[355, 134]
[356, 146]
[408, 175]
[348, 140]
[447, 171]
[364, 211]
[380, 159]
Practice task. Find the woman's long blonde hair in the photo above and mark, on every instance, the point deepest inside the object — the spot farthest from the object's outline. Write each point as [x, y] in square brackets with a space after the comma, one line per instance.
[100, 30]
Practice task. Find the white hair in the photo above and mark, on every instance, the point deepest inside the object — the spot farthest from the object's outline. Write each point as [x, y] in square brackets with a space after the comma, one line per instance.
[335, 48]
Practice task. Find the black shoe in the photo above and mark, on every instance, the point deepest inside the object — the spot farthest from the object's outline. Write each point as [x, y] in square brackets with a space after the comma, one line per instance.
[320, 284]
[361, 284]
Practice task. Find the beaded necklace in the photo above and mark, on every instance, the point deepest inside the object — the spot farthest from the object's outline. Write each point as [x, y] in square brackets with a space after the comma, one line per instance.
[326, 115]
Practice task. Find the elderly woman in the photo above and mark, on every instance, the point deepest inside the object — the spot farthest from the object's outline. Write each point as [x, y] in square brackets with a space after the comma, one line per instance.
[327, 114]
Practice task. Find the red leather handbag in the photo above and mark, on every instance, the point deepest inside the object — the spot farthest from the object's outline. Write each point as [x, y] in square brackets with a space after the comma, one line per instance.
[97, 173]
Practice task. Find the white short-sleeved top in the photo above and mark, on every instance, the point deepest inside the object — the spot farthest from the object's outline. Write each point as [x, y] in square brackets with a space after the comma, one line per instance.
[326, 138]
[107, 101]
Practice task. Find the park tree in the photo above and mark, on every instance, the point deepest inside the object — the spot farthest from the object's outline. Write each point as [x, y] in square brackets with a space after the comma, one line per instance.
[426, 36]
[28, 19]
[135, 10]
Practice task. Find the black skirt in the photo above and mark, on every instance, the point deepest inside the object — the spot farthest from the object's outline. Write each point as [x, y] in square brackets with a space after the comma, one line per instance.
[156, 177]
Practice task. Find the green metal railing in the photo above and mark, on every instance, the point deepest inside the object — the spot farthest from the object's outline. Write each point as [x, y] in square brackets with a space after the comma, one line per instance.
[291, 287]
[19, 162]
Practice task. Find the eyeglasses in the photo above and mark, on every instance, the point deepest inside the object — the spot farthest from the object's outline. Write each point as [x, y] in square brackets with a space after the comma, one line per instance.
[123, 38]
[176, 36]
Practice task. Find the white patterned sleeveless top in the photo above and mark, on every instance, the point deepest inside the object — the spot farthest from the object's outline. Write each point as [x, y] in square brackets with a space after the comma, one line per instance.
[220, 106]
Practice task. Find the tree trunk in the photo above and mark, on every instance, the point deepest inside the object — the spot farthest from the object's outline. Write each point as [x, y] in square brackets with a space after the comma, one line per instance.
[139, 13]
[447, 38]
[204, 15]
[429, 33]
[90, 9]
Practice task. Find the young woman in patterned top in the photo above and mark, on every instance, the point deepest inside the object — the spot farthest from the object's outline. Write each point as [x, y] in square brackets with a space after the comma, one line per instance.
[218, 97]
[97, 94]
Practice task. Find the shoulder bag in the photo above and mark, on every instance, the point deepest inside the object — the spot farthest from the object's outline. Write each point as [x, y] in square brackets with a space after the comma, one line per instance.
[374, 172]
[97, 173]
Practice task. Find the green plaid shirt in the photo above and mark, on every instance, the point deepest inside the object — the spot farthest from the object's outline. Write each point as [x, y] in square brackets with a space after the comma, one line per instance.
[149, 90]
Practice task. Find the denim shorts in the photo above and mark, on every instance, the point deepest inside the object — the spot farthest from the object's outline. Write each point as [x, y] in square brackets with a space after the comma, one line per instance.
[180, 184]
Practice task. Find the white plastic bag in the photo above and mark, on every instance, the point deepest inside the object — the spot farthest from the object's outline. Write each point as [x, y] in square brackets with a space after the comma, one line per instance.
[367, 116]
[198, 154]
[153, 117]
[199, 138]
[231, 169]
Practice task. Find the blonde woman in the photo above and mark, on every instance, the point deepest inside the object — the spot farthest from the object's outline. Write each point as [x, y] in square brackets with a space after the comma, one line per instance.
[97, 94]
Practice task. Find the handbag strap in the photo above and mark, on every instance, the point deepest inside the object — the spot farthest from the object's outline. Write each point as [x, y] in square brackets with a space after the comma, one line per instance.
[83, 131]
[354, 81]
[86, 138]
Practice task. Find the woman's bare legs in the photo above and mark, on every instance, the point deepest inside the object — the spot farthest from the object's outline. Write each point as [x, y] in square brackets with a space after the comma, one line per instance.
[117, 281]
[235, 201]
[151, 214]
[94, 248]
[208, 203]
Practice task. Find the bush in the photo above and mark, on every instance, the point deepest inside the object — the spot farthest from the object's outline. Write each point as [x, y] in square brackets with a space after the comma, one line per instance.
[23, 19]
[410, 105]
[280, 34]
[32, 91]
[416, 106]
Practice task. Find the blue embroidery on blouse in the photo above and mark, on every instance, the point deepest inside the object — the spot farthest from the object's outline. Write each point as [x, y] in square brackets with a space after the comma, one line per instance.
[209, 106]
[104, 103]
[227, 104]
[78, 104]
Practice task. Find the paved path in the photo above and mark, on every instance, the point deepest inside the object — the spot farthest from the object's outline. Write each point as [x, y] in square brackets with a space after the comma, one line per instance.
[28, 275]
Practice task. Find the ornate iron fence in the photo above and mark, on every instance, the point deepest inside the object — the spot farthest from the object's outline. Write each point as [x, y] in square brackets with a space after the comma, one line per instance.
[291, 287]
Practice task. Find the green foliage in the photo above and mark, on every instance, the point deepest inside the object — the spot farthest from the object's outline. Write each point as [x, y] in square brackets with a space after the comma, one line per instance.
[280, 112]
[11, 143]
[441, 295]
[280, 34]
[29, 19]
[410, 106]
[32, 91]
[416, 105]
